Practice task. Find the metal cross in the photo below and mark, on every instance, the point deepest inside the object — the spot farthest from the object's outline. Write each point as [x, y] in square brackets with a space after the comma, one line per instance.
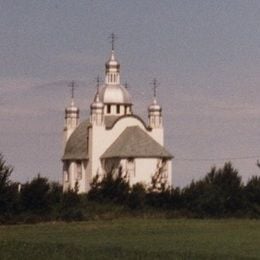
[72, 86]
[98, 82]
[113, 38]
[155, 86]
[126, 85]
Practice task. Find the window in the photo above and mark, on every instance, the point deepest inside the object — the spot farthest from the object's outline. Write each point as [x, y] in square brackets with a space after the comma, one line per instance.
[118, 109]
[125, 110]
[79, 171]
[66, 176]
[108, 109]
[131, 167]
[66, 171]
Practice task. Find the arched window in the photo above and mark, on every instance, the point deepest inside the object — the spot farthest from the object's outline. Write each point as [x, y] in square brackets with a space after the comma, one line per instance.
[66, 171]
[79, 170]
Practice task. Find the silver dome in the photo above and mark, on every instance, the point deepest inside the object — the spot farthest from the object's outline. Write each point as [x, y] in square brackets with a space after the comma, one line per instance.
[154, 106]
[115, 94]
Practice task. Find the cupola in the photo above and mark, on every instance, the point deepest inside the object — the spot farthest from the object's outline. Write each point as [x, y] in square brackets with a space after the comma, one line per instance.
[155, 110]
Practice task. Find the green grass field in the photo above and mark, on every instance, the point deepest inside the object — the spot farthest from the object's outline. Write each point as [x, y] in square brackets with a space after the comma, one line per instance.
[133, 238]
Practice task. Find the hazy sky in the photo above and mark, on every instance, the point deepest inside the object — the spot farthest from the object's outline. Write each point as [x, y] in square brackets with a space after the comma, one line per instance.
[205, 54]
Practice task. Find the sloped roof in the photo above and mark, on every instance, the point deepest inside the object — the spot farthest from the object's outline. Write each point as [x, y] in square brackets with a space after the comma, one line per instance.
[110, 120]
[135, 143]
[77, 145]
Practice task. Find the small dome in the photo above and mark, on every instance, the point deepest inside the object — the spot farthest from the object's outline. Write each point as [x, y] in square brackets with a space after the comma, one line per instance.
[115, 94]
[72, 108]
[154, 106]
[112, 63]
[97, 103]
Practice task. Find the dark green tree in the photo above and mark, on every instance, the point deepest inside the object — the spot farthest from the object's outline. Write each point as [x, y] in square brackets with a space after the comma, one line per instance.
[35, 196]
[8, 190]
[252, 194]
[220, 193]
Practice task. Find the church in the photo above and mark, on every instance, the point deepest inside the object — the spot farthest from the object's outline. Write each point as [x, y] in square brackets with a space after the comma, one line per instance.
[114, 137]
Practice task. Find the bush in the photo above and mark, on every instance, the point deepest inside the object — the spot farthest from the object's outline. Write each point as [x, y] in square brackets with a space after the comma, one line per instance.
[35, 196]
[71, 206]
[113, 187]
[137, 196]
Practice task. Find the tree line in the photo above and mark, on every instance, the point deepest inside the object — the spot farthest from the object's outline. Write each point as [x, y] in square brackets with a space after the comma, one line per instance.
[221, 193]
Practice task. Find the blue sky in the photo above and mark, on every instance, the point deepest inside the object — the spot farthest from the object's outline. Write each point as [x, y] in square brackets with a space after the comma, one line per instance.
[205, 54]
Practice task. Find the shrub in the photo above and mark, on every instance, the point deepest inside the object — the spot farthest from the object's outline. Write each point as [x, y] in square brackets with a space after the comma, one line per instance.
[70, 206]
[35, 196]
[113, 187]
[137, 196]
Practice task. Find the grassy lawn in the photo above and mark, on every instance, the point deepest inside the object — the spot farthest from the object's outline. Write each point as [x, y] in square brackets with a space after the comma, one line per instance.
[133, 238]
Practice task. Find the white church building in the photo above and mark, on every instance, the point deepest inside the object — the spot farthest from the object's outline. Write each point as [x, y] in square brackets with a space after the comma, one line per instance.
[113, 137]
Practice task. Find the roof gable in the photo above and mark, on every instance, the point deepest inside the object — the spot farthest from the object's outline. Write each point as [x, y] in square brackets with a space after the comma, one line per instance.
[77, 145]
[135, 143]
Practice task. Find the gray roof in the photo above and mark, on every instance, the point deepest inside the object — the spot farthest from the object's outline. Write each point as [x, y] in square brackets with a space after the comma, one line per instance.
[77, 145]
[110, 120]
[135, 143]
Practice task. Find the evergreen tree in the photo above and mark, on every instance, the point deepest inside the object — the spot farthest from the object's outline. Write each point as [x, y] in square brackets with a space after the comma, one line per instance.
[8, 190]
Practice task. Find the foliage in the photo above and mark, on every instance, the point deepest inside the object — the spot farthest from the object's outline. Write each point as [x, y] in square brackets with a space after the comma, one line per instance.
[252, 194]
[35, 195]
[113, 187]
[8, 190]
[136, 199]
[70, 206]
[219, 193]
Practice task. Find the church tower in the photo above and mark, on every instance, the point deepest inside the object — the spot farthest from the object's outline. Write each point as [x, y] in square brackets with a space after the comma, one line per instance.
[115, 97]
[155, 116]
[71, 116]
[97, 108]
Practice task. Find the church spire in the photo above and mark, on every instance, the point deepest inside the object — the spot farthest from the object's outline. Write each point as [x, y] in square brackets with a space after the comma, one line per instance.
[112, 66]
[97, 107]
[113, 38]
[155, 110]
[71, 114]
[155, 86]
[72, 86]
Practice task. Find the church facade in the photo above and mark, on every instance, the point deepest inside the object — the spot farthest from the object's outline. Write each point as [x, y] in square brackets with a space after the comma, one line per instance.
[113, 137]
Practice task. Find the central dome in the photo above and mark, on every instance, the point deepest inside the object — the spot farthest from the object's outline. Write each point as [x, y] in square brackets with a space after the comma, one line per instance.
[115, 94]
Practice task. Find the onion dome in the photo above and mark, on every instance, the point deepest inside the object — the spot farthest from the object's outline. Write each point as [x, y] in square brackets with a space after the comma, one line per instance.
[115, 94]
[154, 107]
[112, 63]
[72, 109]
[97, 104]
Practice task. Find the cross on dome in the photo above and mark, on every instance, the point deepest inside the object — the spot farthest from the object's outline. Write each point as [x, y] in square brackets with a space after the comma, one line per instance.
[72, 86]
[155, 86]
[98, 79]
[113, 37]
